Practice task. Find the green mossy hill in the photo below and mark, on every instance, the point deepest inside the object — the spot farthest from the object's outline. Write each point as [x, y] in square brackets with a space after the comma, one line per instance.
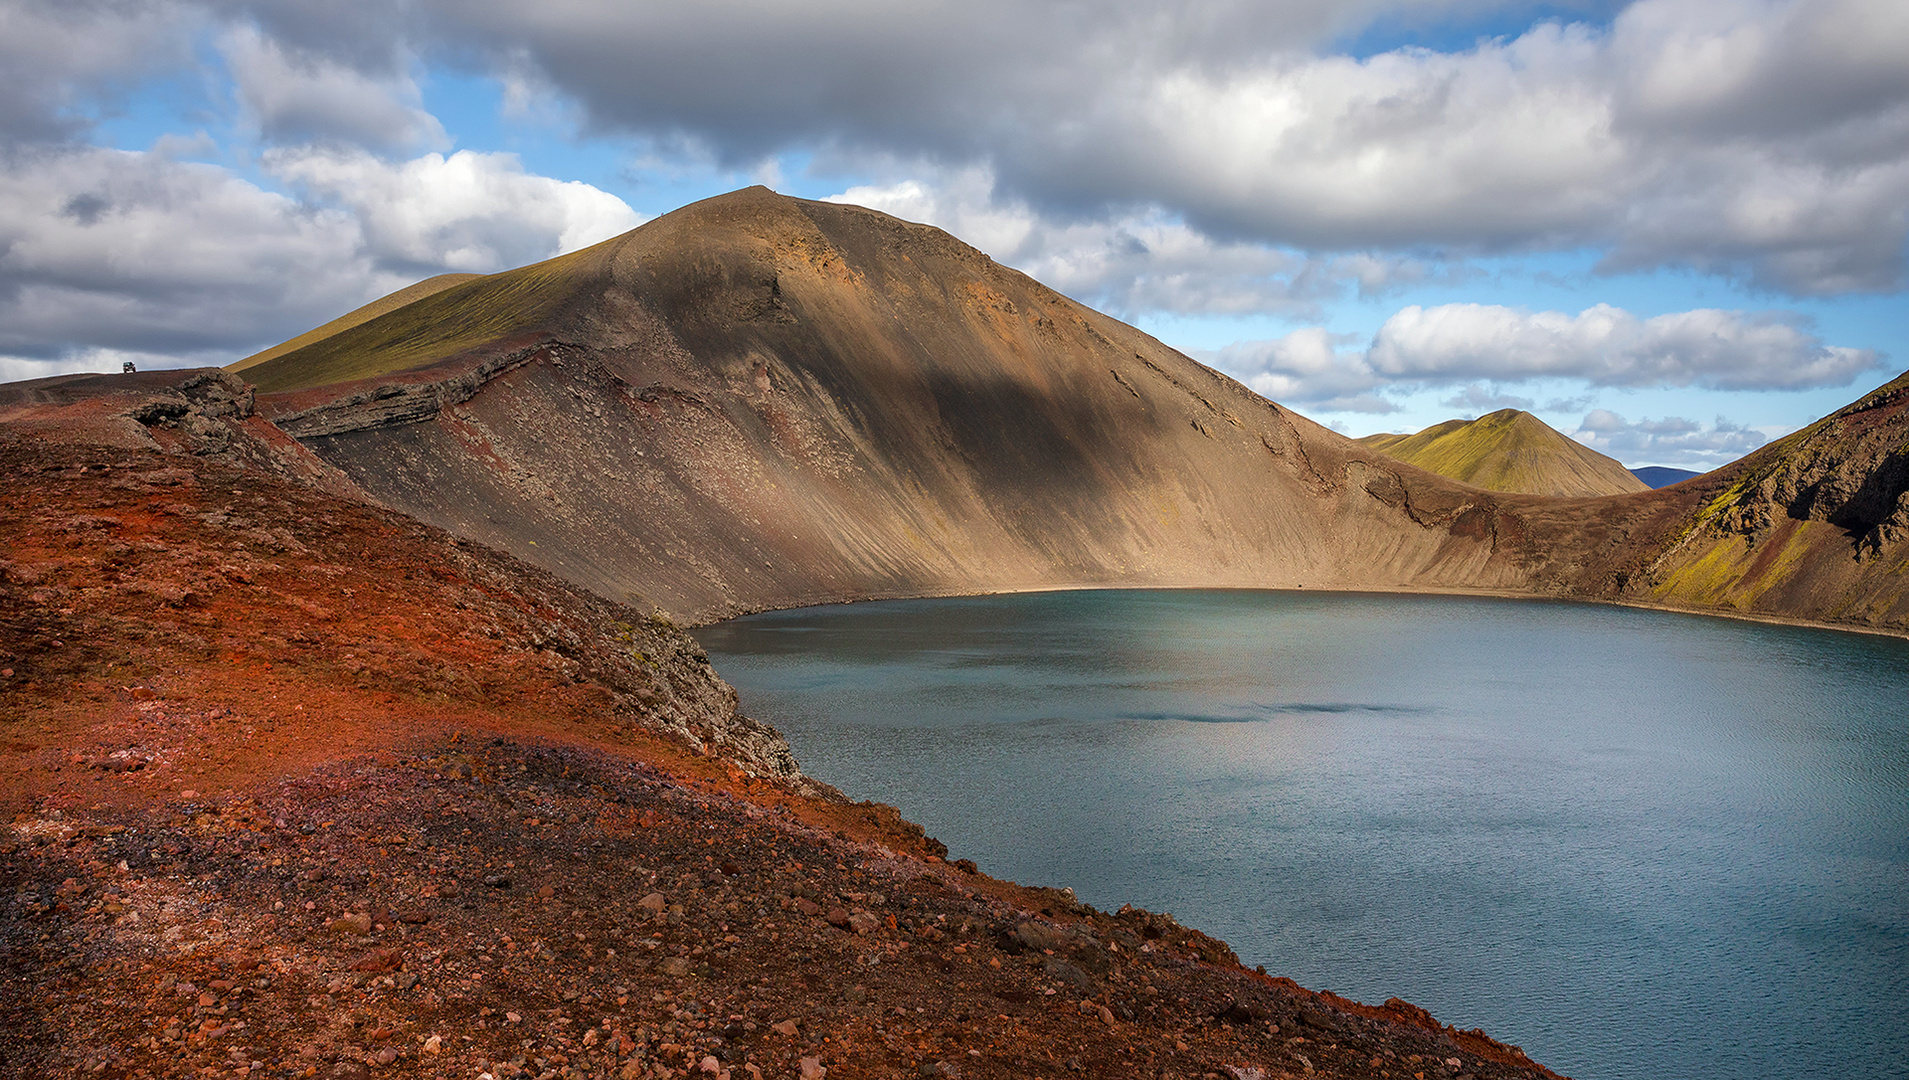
[384, 305]
[484, 310]
[1510, 451]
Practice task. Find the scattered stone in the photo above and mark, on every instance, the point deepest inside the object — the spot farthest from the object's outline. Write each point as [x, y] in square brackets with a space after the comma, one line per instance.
[1090, 1008]
[1242, 1012]
[1056, 968]
[355, 923]
[380, 961]
[1038, 936]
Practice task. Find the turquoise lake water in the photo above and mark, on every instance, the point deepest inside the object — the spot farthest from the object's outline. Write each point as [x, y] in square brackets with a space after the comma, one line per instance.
[1643, 846]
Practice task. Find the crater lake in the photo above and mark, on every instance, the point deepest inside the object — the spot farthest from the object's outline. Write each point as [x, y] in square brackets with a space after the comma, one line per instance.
[1640, 845]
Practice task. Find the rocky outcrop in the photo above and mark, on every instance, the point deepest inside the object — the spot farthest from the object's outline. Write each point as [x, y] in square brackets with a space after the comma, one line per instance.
[1810, 527]
[203, 412]
[1850, 469]
[380, 403]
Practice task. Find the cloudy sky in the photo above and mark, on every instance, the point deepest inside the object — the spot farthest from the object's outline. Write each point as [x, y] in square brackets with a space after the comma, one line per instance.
[1672, 228]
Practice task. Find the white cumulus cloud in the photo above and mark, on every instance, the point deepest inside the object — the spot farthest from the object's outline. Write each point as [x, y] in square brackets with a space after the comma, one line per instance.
[1602, 346]
[474, 212]
[1673, 440]
[124, 250]
[293, 98]
[108, 254]
[59, 58]
[1757, 139]
[1138, 261]
[1607, 346]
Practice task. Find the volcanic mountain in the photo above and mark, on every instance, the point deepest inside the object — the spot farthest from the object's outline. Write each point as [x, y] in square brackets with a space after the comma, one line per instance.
[760, 401]
[1510, 450]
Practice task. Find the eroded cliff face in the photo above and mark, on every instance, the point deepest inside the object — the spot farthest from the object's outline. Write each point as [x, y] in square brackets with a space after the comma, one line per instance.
[1814, 526]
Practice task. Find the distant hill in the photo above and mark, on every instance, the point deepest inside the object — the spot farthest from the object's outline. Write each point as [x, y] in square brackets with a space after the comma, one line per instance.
[1659, 476]
[1510, 450]
[381, 306]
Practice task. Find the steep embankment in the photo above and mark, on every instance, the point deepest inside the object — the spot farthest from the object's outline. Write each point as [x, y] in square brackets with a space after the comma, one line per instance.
[1510, 450]
[761, 401]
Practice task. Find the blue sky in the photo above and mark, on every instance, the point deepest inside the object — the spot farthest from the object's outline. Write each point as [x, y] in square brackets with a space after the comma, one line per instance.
[1672, 228]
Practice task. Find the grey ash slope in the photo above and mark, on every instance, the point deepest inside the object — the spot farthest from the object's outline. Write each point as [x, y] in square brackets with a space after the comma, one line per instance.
[760, 401]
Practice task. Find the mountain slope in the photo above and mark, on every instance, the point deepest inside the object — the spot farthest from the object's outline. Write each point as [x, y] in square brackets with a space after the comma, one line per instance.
[1814, 525]
[407, 295]
[1510, 450]
[760, 401]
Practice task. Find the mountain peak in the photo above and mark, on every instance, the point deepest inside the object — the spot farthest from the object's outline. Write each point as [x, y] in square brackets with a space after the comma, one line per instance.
[1510, 450]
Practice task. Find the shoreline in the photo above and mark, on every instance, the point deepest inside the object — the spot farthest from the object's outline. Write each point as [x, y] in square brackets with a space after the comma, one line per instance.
[1387, 590]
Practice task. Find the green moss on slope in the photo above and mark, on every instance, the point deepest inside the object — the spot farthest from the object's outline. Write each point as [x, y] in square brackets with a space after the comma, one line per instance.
[1509, 450]
[470, 315]
[410, 294]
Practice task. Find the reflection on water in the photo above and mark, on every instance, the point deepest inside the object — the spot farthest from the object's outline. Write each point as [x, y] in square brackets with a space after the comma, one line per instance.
[1640, 845]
